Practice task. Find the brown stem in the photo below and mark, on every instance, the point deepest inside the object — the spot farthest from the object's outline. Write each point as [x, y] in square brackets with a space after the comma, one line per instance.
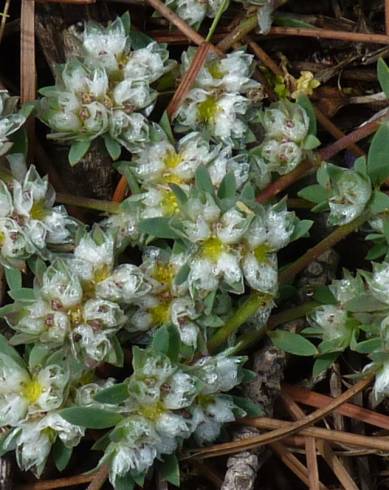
[329, 34]
[99, 478]
[296, 466]
[313, 253]
[334, 436]
[290, 428]
[317, 400]
[188, 80]
[70, 481]
[310, 443]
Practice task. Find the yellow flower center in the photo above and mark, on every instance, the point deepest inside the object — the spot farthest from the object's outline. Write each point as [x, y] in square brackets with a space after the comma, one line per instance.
[261, 252]
[160, 313]
[38, 210]
[215, 70]
[208, 109]
[172, 159]
[152, 412]
[2, 238]
[99, 275]
[32, 390]
[75, 316]
[164, 273]
[212, 249]
[169, 203]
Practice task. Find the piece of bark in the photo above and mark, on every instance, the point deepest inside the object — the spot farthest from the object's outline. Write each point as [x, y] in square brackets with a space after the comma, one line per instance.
[242, 468]
[94, 175]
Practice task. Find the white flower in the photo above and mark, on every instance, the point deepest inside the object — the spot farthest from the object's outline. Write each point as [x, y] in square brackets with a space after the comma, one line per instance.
[333, 321]
[22, 393]
[148, 63]
[219, 114]
[124, 285]
[231, 73]
[381, 384]
[135, 451]
[61, 287]
[209, 417]
[350, 194]
[379, 283]
[10, 120]
[93, 256]
[35, 438]
[192, 11]
[218, 373]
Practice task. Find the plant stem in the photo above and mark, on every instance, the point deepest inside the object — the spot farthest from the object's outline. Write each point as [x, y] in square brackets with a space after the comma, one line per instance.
[247, 310]
[223, 7]
[246, 26]
[251, 337]
[313, 253]
[88, 203]
[256, 300]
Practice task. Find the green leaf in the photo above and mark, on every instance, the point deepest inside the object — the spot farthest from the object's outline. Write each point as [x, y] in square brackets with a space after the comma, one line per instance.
[170, 469]
[61, 454]
[20, 142]
[378, 157]
[77, 151]
[91, 418]
[252, 409]
[248, 193]
[38, 355]
[379, 202]
[377, 251]
[365, 303]
[113, 147]
[323, 362]
[158, 227]
[301, 229]
[114, 394]
[167, 341]
[126, 20]
[292, 343]
[306, 104]
[124, 482]
[139, 40]
[9, 351]
[311, 142]
[368, 346]
[116, 354]
[180, 194]
[13, 278]
[324, 296]
[383, 76]
[286, 21]
[22, 294]
[203, 180]
[166, 126]
[314, 193]
[227, 189]
[182, 275]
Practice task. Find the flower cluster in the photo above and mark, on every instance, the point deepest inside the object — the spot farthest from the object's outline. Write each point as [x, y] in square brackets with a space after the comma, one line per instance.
[106, 92]
[80, 303]
[221, 98]
[164, 403]
[204, 242]
[29, 222]
[286, 127]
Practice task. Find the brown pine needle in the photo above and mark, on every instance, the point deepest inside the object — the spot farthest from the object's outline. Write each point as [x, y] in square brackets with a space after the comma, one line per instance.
[284, 431]
[188, 79]
[317, 400]
[334, 436]
[324, 448]
[99, 478]
[310, 444]
[295, 465]
[70, 481]
[329, 34]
